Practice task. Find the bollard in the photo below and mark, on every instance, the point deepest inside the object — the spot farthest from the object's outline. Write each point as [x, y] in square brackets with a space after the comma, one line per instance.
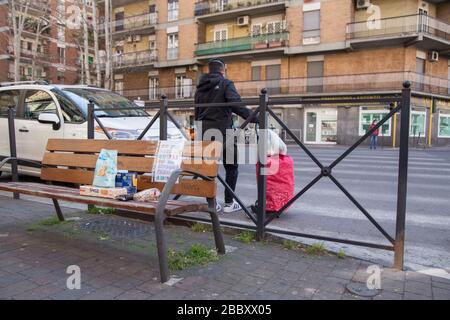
[13, 146]
[163, 118]
[262, 162]
[91, 122]
[399, 244]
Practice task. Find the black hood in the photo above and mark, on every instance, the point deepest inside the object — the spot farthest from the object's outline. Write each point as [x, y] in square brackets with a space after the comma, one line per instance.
[209, 81]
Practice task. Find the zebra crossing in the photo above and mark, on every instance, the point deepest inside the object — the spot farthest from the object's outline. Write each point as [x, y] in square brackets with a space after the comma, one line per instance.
[371, 177]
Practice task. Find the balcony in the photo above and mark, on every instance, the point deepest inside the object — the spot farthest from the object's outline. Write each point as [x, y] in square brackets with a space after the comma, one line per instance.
[139, 23]
[135, 59]
[331, 85]
[263, 42]
[426, 32]
[209, 10]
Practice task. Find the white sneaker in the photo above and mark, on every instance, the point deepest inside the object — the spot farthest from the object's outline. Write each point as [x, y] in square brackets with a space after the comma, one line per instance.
[232, 207]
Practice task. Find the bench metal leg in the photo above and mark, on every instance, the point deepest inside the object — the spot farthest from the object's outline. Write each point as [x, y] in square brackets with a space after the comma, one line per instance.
[58, 210]
[162, 247]
[216, 226]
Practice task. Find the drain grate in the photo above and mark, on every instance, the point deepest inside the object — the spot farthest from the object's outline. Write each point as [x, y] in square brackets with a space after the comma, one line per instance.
[120, 228]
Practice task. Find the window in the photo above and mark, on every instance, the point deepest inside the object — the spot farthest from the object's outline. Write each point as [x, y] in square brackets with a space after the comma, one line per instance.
[311, 27]
[29, 46]
[37, 102]
[366, 118]
[152, 16]
[119, 17]
[444, 124]
[172, 10]
[315, 76]
[274, 27]
[9, 98]
[70, 111]
[256, 30]
[153, 88]
[220, 34]
[172, 46]
[183, 87]
[448, 82]
[273, 75]
[62, 55]
[417, 126]
[256, 73]
[420, 72]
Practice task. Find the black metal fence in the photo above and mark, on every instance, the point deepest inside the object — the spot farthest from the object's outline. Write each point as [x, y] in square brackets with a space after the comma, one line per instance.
[399, 102]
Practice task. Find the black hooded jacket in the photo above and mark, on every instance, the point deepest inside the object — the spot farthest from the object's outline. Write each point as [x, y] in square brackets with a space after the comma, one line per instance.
[214, 88]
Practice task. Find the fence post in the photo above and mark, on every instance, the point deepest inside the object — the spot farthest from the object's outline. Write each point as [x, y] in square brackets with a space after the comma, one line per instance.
[399, 245]
[13, 147]
[91, 121]
[163, 118]
[262, 162]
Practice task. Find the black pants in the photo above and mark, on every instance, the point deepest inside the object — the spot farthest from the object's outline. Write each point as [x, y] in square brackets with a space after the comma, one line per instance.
[231, 174]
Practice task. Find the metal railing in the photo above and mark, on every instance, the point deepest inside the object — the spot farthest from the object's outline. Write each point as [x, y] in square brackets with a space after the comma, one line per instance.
[400, 101]
[131, 23]
[215, 6]
[404, 25]
[359, 83]
[135, 59]
[257, 42]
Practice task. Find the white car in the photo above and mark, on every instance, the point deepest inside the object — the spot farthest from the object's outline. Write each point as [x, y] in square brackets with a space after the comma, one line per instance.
[59, 111]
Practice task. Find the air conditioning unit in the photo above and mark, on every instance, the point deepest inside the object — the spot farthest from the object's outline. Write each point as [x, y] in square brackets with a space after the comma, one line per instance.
[362, 4]
[434, 56]
[137, 38]
[243, 21]
[130, 39]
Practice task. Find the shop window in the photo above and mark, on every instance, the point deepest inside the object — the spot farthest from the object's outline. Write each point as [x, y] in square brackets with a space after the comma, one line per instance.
[418, 123]
[366, 118]
[444, 124]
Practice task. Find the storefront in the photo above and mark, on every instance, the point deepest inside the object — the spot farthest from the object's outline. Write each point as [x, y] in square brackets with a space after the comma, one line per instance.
[320, 125]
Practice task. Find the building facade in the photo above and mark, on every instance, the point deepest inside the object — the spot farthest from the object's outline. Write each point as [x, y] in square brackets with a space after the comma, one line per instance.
[57, 53]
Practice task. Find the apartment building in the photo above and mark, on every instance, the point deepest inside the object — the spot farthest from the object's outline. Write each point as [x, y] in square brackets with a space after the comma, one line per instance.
[327, 48]
[56, 54]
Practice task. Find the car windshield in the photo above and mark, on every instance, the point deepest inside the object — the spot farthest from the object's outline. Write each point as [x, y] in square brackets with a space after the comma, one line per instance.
[103, 100]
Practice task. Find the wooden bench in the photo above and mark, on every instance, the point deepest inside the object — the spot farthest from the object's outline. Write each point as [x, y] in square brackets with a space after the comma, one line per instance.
[73, 161]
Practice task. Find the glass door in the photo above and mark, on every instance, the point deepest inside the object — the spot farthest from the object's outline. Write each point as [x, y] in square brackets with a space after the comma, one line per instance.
[311, 127]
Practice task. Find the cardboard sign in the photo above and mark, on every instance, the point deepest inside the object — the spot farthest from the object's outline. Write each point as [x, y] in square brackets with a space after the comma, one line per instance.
[167, 159]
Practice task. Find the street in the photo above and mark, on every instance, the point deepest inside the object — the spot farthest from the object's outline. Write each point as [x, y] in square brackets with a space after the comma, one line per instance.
[371, 177]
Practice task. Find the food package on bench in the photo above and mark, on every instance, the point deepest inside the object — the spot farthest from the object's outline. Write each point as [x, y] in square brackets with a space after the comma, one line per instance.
[147, 195]
[125, 179]
[106, 169]
[111, 193]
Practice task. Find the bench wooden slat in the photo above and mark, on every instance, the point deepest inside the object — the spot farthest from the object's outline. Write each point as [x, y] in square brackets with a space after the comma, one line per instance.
[132, 147]
[198, 188]
[137, 164]
[72, 195]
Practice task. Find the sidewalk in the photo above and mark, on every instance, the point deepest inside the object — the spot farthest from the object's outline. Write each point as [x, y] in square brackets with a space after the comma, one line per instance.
[118, 260]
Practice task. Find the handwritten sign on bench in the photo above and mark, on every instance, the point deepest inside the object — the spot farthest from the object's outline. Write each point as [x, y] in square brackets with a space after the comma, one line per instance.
[167, 159]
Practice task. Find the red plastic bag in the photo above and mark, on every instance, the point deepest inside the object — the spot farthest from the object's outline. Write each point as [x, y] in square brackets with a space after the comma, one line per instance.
[280, 182]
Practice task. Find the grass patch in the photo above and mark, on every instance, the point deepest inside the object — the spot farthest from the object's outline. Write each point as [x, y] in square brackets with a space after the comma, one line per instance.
[196, 255]
[47, 222]
[341, 254]
[290, 245]
[316, 249]
[200, 227]
[245, 236]
[98, 210]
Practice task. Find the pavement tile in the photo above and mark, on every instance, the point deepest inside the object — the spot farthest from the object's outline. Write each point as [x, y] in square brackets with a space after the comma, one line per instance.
[419, 288]
[17, 288]
[441, 294]
[133, 295]
[413, 296]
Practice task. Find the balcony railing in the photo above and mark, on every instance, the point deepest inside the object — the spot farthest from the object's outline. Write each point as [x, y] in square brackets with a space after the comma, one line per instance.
[132, 23]
[351, 84]
[135, 59]
[263, 41]
[399, 26]
[215, 6]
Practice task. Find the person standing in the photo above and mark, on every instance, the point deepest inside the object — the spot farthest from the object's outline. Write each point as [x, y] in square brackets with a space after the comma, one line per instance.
[215, 88]
[374, 135]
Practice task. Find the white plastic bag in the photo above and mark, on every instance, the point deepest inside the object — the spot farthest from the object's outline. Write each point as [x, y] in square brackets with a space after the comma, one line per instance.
[275, 145]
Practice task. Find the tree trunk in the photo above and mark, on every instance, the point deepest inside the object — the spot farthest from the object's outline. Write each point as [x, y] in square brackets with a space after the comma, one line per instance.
[97, 55]
[86, 44]
[108, 64]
